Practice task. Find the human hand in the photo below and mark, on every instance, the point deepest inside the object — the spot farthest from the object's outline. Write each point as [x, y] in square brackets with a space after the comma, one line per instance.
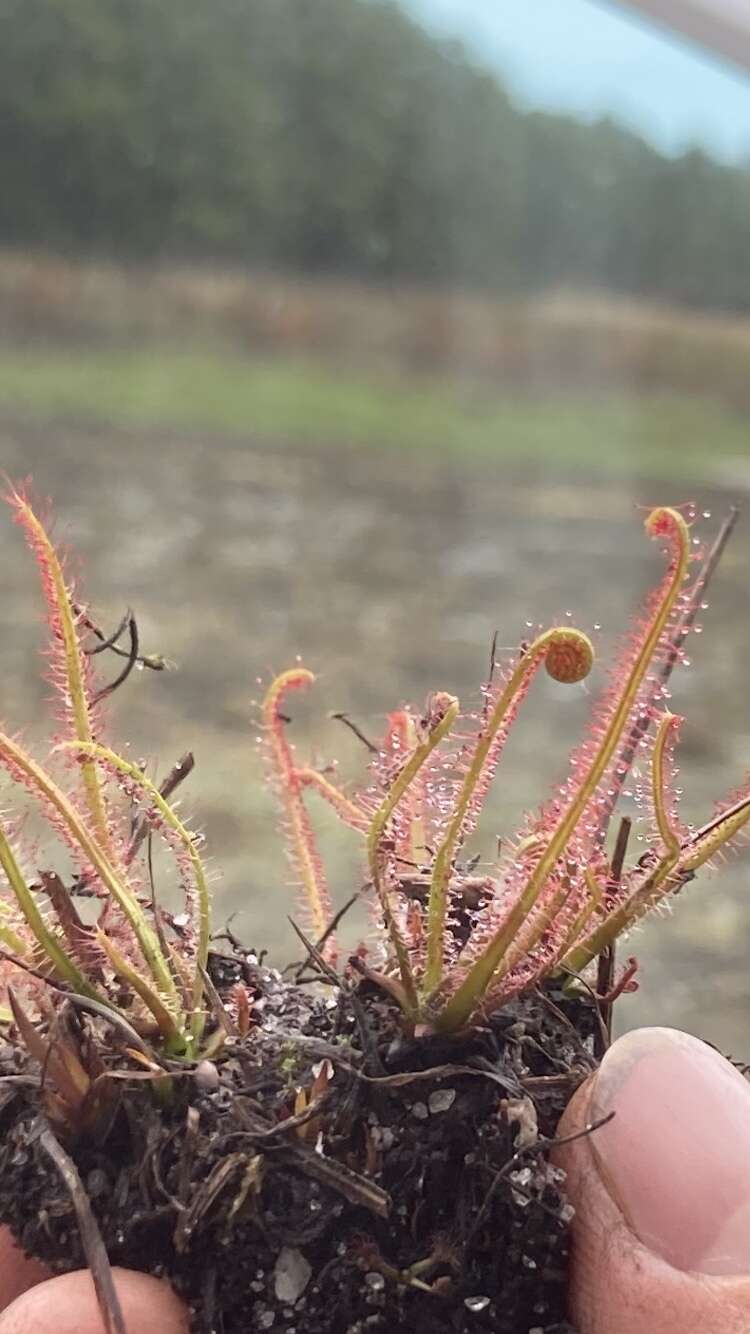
[662, 1198]
[661, 1236]
[33, 1303]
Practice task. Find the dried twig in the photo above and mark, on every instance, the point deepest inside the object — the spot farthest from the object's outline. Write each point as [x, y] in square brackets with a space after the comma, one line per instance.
[329, 931]
[314, 953]
[606, 966]
[624, 983]
[91, 1238]
[508, 1083]
[111, 641]
[219, 1012]
[333, 925]
[177, 774]
[354, 1187]
[206, 1196]
[493, 660]
[359, 734]
[153, 661]
[621, 847]
[132, 659]
[185, 1172]
[370, 1051]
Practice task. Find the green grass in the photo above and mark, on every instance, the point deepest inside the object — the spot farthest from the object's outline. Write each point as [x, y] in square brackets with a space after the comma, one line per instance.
[292, 401]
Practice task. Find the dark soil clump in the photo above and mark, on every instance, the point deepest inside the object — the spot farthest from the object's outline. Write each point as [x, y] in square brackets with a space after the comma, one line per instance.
[325, 1175]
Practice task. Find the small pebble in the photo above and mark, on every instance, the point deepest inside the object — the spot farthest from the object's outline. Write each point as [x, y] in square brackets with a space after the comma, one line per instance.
[291, 1274]
[476, 1303]
[206, 1076]
[441, 1100]
[419, 1110]
[97, 1183]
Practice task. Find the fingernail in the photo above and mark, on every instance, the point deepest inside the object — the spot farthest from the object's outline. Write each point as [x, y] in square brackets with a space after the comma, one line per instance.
[676, 1155]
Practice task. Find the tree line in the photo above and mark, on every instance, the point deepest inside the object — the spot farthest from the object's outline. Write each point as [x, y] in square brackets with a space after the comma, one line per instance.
[337, 136]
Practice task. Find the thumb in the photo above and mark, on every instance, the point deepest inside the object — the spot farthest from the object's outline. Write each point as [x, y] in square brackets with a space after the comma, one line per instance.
[661, 1234]
[67, 1305]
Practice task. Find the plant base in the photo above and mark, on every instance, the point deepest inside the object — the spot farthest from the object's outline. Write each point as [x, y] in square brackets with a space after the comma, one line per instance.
[413, 1196]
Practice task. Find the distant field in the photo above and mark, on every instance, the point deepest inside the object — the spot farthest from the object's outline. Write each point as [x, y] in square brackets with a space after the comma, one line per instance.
[564, 339]
[570, 380]
[287, 400]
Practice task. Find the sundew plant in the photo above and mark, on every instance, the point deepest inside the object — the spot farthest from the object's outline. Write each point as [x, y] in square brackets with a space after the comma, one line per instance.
[449, 944]
[458, 944]
[124, 963]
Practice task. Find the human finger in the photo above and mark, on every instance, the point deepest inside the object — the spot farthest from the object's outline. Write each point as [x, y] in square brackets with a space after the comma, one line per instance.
[17, 1270]
[661, 1234]
[67, 1304]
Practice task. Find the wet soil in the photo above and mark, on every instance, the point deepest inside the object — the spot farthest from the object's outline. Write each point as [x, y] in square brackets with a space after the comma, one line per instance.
[325, 1173]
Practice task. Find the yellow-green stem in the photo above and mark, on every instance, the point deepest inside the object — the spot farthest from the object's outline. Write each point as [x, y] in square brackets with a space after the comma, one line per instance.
[346, 809]
[667, 833]
[639, 903]
[679, 861]
[18, 760]
[75, 677]
[172, 820]
[720, 831]
[526, 942]
[379, 821]
[593, 901]
[417, 835]
[9, 937]
[675, 865]
[443, 865]
[165, 1020]
[48, 942]
[291, 795]
[459, 1008]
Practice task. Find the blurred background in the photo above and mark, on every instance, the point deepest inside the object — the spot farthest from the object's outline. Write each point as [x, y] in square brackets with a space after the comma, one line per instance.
[362, 330]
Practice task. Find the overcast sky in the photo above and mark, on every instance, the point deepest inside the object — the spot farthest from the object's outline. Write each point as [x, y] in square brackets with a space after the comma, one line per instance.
[590, 58]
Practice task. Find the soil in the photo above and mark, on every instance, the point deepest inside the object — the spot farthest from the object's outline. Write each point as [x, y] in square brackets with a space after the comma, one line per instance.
[406, 1189]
